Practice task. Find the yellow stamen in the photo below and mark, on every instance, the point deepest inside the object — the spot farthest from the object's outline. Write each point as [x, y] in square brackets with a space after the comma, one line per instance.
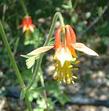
[64, 72]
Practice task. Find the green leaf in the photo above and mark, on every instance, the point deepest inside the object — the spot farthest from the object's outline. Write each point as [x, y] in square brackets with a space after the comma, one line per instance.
[42, 103]
[57, 92]
[68, 5]
[63, 98]
[38, 109]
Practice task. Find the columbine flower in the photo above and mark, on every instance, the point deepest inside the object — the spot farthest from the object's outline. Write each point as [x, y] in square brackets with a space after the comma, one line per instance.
[27, 24]
[65, 55]
[65, 45]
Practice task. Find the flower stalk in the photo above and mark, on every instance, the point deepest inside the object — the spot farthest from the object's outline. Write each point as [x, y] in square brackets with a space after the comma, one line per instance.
[24, 7]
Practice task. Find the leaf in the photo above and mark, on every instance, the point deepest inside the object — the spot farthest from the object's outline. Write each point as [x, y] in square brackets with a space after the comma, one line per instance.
[83, 48]
[63, 98]
[53, 88]
[68, 5]
[38, 109]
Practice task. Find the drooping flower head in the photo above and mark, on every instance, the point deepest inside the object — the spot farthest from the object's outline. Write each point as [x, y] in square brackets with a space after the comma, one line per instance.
[27, 24]
[65, 54]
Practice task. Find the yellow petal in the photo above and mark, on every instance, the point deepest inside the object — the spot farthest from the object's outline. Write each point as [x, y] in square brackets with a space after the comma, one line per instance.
[83, 48]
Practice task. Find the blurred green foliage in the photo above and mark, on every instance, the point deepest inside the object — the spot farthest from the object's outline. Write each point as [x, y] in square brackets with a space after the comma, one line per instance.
[89, 18]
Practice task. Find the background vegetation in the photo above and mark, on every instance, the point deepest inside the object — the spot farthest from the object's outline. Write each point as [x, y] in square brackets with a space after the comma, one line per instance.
[90, 20]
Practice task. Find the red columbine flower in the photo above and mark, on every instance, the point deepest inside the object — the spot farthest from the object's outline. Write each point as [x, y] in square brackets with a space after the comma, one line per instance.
[27, 24]
[65, 54]
[65, 45]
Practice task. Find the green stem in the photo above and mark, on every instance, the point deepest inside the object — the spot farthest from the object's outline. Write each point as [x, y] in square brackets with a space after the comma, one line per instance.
[24, 7]
[4, 38]
[56, 16]
[27, 101]
[44, 92]
[12, 59]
